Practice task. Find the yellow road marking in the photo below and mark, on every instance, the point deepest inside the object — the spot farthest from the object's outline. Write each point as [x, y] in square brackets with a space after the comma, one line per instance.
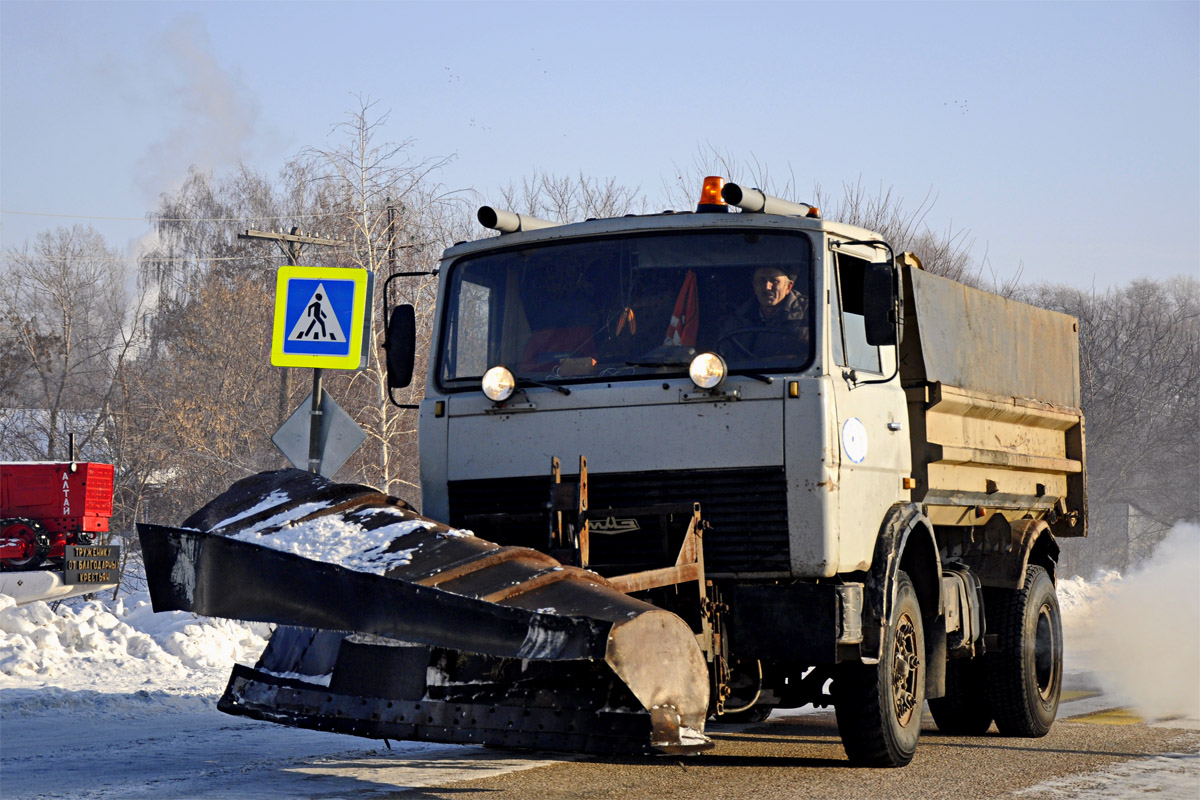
[1111, 716]
[1078, 694]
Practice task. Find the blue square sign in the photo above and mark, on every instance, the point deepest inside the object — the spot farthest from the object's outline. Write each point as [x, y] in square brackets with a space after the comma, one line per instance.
[320, 314]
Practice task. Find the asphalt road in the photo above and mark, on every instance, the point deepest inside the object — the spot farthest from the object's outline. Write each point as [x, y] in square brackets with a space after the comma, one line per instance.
[193, 753]
[801, 756]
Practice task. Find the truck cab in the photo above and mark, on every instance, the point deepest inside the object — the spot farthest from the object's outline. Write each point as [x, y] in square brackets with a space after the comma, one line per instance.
[598, 324]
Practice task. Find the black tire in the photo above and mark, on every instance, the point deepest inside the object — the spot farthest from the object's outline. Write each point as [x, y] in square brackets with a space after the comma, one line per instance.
[879, 706]
[1025, 674]
[965, 710]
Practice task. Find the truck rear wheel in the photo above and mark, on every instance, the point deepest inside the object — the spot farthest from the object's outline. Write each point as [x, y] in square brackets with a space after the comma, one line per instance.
[1025, 676]
[965, 710]
[879, 706]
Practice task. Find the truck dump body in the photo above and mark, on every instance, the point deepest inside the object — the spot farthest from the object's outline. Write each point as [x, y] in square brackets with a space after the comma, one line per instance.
[993, 399]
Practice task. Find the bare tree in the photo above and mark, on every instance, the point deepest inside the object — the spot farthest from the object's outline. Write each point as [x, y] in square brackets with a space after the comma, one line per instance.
[946, 253]
[562, 199]
[69, 328]
[683, 190]
[74, 332]
[211, 375]
[1140, 386]
[396, 216]
[206, 375]
[210, 386]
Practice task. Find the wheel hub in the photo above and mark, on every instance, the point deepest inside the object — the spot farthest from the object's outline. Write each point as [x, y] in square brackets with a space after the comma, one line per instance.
[1046, 646]
[29, 535]
[906, 664]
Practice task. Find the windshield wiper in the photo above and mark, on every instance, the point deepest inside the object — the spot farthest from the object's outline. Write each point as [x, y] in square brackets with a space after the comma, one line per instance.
[683, 364]
[656, 363]
[523, 382]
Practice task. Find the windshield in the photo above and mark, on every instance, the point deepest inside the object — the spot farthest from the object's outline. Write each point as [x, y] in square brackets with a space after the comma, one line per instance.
[628, 307]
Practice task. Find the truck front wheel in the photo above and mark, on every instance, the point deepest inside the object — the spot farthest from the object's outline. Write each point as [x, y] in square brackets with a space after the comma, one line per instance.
[1025, 676]
[879, 706]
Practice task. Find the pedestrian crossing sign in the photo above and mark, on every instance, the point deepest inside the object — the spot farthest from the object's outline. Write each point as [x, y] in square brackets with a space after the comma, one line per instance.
[322, 317]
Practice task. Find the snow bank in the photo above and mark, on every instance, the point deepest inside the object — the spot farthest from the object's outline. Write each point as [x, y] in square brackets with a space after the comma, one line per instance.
[1077, 595]
[119, 656]
[108, 648]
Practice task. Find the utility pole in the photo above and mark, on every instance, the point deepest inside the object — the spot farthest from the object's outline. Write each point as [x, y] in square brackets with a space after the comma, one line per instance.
[292, 243]
[391, 240]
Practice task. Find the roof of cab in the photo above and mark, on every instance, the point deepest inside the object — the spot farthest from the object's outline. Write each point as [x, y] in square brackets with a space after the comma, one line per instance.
[668, 221]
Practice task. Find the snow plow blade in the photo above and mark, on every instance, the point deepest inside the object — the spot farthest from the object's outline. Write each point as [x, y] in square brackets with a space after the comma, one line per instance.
[395, 626]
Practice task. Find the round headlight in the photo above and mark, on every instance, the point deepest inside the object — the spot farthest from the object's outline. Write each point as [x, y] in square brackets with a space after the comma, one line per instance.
[499, 384]
[707, 370]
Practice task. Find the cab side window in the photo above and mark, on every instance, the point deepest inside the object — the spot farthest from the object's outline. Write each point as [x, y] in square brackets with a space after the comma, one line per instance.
[851, 336]
[471, 327]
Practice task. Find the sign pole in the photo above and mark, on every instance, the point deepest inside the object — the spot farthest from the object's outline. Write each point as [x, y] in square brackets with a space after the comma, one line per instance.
[322, 321]
[314, 428]
[291, 244]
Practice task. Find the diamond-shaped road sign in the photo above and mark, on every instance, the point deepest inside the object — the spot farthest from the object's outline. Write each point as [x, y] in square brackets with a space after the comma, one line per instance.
[339, 435]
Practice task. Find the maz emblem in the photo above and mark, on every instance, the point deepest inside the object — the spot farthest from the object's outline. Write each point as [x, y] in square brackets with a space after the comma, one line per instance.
[613, 525]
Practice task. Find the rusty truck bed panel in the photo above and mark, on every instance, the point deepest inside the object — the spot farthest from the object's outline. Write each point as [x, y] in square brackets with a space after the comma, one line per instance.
[993, 399]
[981, 342]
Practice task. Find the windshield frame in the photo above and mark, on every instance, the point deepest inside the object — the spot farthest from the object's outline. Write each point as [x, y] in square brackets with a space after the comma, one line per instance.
[451, 271]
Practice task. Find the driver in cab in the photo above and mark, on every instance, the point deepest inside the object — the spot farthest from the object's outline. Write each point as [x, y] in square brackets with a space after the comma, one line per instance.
[772, 323]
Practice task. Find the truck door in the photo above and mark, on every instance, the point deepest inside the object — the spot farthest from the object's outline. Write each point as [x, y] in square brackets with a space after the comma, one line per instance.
[870, 417]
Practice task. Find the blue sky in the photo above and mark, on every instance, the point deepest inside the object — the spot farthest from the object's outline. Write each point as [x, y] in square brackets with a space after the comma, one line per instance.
[1065, 137]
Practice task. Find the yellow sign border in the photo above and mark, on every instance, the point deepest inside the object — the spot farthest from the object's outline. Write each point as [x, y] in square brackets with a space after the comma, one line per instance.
[357, 317]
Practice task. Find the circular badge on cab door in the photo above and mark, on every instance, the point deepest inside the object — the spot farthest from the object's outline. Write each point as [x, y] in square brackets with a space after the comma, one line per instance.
[854, 440]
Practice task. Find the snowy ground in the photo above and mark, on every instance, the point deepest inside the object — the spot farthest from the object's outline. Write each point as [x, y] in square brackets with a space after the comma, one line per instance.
[131, 696]
[125, 699]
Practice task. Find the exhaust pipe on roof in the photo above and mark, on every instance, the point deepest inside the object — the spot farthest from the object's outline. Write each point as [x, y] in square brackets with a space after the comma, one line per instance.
[508, 222]
[755, 201]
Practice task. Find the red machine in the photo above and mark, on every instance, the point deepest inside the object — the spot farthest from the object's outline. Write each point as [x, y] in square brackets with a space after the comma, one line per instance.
[46, 506]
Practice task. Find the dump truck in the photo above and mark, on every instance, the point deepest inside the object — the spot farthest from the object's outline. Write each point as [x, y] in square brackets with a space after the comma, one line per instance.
[53, 518]
[676, 467]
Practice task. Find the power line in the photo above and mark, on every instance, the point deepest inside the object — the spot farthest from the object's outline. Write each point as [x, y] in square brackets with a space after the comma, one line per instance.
[12, 258]
[148, 219]
[144, 257]
[72, 216]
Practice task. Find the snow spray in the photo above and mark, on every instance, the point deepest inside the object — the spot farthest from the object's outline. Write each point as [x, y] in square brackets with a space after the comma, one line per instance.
[1141, 636]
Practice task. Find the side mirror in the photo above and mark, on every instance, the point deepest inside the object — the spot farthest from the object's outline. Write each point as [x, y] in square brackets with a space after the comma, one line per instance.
[401, 346]
[879, 303]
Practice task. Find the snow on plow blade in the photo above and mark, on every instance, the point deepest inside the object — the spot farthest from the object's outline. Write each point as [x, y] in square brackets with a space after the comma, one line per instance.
[396, 626]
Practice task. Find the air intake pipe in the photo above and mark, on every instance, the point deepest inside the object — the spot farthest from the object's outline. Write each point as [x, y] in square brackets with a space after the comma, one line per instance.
[755, 201]
[508, 222]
